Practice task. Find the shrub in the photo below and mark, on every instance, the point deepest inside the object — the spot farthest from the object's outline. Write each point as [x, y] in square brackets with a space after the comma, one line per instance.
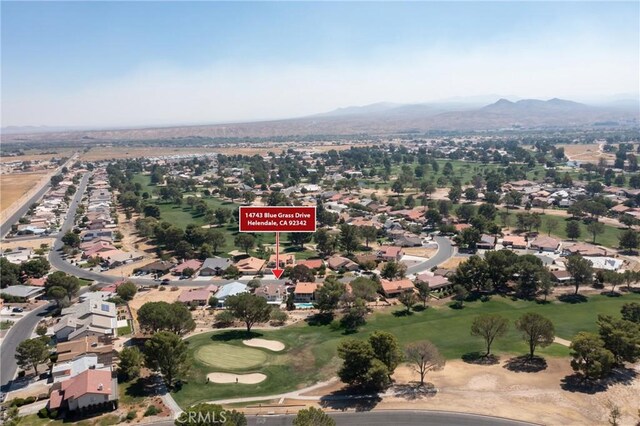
[174, 288]
[162, 288]
[151, 410]
[43, 413]
[132, 414]
[224, 319]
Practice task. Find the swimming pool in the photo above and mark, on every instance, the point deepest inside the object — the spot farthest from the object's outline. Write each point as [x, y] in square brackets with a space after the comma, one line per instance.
[304, 305]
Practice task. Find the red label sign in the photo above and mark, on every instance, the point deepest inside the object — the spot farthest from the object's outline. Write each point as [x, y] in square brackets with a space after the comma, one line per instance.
[277, 219]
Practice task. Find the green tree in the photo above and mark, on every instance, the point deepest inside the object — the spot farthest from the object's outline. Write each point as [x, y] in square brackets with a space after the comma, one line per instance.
[424, 291]
[210, 415]
[328, 296]
[360, 367]
[31, 353]
[621, 337]
[595, 228]
[131, 360]
[313, 417]
[536, 331]
[489, 327]
[387, 349]
[301, 273]
[349, 238]
[580, 269]
[393, 269]
[631, 312]
[408, 299]
[216, 239]
[66, 286]
[629, 240]
[127, 290]
[245, 241]
[423, 356]
[300, 238]
[369, 233]
[589, 356]
[38, 267]
[71, 239]
[167, 353]
[10, 273]
[573, 229]
[355, 315]
[248, 308]
[364, 288]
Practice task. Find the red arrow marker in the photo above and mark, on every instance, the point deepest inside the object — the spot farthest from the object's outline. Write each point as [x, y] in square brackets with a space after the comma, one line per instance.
[277, 271]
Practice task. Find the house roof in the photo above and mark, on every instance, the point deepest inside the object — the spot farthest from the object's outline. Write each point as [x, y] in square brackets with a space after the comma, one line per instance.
[390, 251]
[586, 249]
[394, 286]
[434, 281]
[515, 240]
[216, 263]
[250, 264]
[89, 381]
[545, 242]
[22, 291]
[271, 290]
[198, 294]
[192, 263]
[306, 288]
[311, 263]
[231, 289]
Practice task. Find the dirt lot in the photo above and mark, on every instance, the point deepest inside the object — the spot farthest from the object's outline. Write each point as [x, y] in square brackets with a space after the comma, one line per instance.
[38, 155]
[420, 251]
[590, 153]
[14, 186]
[494, 390]
[32, 244]
[155, 295]
[453, 262]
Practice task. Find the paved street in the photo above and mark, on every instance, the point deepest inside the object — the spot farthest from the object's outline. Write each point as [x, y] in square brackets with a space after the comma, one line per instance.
[387, 418]
[5, 227]
[20, 331]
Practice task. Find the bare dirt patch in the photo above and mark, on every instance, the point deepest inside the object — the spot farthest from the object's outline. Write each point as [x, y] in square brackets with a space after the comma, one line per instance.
[453, 262]
[272, 345]
[590, 153]
[154, 295]
[248, 379]
[15, 186]
[420, 251]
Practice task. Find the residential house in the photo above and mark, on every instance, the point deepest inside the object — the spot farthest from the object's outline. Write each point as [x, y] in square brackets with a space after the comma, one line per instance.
[199, 296]
[26, 292]
[194, 264]
[159, 267]
[545, 243]
[250, 265]
[337, 263]
[91, 388]
[487, 242]
[396, 288]
[70, 350]
[214, 266]
[515, 242]
[312, 263]
[88, 318]
[66, 369]
[387, 253]
[284, 259]
[231, 289]
[274, 293]
[305, 292]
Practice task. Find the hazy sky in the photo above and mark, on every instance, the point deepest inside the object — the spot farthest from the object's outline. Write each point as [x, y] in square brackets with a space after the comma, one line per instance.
[162, 63]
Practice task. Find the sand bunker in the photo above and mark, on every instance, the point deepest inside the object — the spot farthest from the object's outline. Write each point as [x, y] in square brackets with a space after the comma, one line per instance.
[247, 379]
[272, 345]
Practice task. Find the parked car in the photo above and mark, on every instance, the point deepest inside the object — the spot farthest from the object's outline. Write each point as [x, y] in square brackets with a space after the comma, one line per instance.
[17, 309]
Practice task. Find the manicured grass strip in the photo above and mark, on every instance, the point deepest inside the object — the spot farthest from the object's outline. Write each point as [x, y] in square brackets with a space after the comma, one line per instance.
[229, 357]
[310, 354]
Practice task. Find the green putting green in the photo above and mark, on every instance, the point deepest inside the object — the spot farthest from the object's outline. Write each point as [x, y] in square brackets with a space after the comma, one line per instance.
[229, 357]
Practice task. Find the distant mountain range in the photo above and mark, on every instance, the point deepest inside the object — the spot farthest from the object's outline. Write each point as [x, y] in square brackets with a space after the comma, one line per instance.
[387, 118]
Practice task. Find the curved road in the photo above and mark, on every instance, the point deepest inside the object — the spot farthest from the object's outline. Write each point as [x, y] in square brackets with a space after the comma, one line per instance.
[19, 332]
[389, 417]
[444, 253]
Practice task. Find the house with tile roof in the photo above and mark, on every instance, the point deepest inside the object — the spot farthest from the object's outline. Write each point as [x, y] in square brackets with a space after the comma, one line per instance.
[91, 388]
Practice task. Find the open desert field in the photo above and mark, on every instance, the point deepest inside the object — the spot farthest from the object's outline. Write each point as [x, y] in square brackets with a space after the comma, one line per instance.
[39, 155]
[16, 185]
[108, 152]
[591, 153]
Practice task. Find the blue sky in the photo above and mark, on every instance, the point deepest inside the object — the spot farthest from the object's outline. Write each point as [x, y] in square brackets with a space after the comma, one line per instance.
[116, 63]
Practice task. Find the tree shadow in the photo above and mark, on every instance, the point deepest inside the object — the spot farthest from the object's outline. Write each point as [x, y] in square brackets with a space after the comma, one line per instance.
[573, 298]
[402, 313]
[419, 308]
[577, 383]
[542, 302]
[611, 294]
[229, 335]
[143, 387]
[524, 364]
[350, 399]
[412, 391]
[480, 358]
[320, 319]
[456, 305]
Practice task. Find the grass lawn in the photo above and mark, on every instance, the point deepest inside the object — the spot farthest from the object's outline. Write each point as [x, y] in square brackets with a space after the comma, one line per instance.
[609, 238]
[84, 282]
[310, 353]
[124, 331]
[5, 325]
[230, 357]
